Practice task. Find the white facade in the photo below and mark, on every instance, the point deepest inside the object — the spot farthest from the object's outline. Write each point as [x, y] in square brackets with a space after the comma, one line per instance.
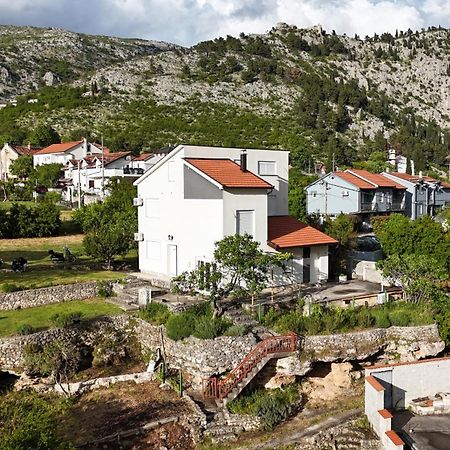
[185, 212]
[63, 153]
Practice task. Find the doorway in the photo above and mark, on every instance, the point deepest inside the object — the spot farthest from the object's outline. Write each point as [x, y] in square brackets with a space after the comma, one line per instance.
[172, 260]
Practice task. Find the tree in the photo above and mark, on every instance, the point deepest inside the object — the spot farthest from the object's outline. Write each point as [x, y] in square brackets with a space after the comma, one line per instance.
[418, 275]
[110, 226]
[239, 265]
[47, 174]
[43, 136]
[22, 167]
[342, 228]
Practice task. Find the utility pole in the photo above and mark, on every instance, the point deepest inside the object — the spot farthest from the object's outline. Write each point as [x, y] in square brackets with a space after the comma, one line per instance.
[103, 170]
[79, 185]
[334, 164]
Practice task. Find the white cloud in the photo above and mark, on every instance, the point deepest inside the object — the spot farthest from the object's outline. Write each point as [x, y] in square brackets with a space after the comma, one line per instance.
[189, 21]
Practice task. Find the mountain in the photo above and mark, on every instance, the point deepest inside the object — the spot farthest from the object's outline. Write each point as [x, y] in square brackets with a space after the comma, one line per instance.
[315, 93]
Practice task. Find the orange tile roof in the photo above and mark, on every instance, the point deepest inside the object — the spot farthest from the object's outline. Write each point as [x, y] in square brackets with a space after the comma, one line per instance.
[385, 414]
[58, 148]
[143, 156]
[228, 173]
[394, 437]
[374, 383]
[288, 232]
[376, 178]
[416, 178]
[356, 181]
[25, 151]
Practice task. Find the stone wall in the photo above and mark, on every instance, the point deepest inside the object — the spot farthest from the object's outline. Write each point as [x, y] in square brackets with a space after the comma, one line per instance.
[392, 344]
[12, 348]
[203, 358]
[46, 296]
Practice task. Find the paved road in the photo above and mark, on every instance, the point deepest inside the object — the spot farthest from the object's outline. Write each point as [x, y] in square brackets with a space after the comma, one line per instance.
[292, 438]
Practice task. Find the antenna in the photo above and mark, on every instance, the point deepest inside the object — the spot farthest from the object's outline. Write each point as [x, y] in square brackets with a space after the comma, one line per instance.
[103, 168]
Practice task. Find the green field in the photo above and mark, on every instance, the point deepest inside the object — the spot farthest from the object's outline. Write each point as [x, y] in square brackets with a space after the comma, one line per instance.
[42, 272]
[39, 317]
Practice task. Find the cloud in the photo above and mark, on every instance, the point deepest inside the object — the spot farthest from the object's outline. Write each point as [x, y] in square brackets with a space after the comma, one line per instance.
[189, 21]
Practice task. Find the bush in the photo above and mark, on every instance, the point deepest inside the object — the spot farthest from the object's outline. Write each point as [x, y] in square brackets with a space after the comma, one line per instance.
[382, 319]
[180, 326]
[10, 287]
[30, 421]
[65, 320]
[105, 289]
[236, 330]
[208, 328]
[25, 329]
[399, 318]
[155, 313]
[273, 406]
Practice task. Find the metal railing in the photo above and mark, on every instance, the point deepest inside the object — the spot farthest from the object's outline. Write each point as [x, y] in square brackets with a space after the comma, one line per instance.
[217, 388]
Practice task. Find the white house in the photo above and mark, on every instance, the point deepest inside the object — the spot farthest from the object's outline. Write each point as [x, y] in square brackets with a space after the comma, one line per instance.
[64, 152]
[399, 162]
[9, 153]
[194, 196]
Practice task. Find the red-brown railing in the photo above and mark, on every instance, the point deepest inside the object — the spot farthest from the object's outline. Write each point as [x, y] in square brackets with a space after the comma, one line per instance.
[220, 388]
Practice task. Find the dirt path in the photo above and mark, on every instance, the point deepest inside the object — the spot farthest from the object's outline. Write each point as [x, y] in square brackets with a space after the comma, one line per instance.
[293, 437]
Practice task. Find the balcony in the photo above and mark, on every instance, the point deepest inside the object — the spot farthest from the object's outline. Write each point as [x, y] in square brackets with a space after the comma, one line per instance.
[368, 206]
[397, 206]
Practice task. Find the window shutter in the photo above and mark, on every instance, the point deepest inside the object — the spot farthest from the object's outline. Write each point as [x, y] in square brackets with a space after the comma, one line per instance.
[245, 222]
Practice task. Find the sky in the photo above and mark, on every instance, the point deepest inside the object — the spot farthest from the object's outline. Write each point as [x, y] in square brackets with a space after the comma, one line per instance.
[187, 22]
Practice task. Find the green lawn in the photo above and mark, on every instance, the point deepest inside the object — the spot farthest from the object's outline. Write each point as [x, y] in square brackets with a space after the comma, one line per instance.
[39, 317]
[41, 271]
[7, 205]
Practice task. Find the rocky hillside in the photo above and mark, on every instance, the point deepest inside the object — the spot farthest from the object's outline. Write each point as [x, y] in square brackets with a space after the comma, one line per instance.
[313, 92]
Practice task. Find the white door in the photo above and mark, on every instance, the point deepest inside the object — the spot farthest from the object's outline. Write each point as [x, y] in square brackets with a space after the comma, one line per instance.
[172, 260]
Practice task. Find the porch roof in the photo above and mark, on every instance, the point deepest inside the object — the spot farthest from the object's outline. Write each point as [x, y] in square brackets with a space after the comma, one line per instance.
[288, 232]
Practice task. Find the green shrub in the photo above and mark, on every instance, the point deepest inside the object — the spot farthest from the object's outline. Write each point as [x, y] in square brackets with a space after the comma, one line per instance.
[64, 320]
[382, 319]
[399, 318]
[10, 287]
[25, 329]
[180, 326]
[236, 330]
[155, 313]
[105, 289]
[273, 406]
[208, 328]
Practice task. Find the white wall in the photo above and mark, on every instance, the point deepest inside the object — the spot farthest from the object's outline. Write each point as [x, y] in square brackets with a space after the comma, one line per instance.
[419, 379]
[319, 268]
[194, 224]
[51, 158]
[278, 202]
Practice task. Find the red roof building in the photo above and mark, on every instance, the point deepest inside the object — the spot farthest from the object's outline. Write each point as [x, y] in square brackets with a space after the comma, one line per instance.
[287, 232]
[228, 174]
[59, 148]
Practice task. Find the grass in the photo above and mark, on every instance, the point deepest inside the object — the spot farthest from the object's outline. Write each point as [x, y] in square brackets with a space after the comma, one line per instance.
[39, 317]
[41, 271]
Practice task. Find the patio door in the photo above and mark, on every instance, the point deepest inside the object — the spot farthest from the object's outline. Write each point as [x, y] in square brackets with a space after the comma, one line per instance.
[172, 260]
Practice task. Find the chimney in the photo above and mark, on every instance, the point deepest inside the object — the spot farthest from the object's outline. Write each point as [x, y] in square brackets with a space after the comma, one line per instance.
[29, 145]
[85, 147]
[420, 174]
[244, 160]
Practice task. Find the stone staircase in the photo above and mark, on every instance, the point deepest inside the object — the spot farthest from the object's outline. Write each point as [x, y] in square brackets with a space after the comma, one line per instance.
[227, 427]
[127, 295]
[240, 317]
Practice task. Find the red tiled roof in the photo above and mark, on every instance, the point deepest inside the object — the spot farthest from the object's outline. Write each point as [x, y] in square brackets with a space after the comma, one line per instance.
[58, 148]
[394, 437]
[416, 178]
[25, 150]
[376, 178]
[356, 181]
[111, 157]
[143, 156]
[228, 173]
[288, 232]
[385, 414]
[374, 383]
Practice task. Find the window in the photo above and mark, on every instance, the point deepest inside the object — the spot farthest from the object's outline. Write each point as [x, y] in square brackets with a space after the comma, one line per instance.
[154, 250]
[245, 222]
[306, 252]
[267, 168]
[91, 184]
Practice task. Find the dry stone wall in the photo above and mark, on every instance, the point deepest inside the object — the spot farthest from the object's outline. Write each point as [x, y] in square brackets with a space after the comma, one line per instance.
[47, 296]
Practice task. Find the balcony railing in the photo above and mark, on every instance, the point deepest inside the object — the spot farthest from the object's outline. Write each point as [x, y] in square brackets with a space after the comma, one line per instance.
[368, 206]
